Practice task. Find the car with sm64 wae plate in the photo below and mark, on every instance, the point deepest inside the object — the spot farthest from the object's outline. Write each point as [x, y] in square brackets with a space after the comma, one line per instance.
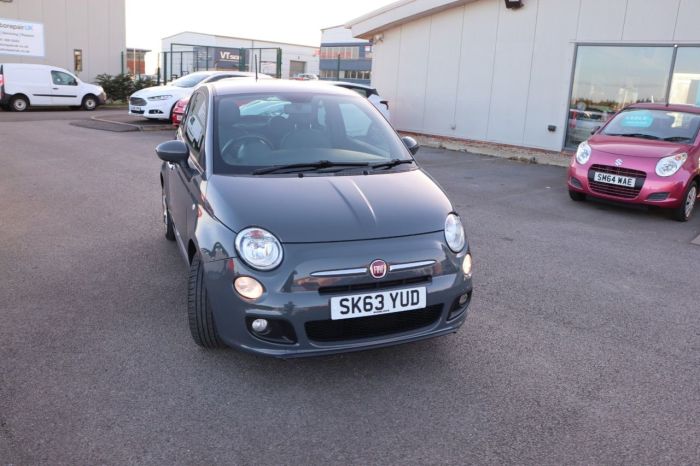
[646, 154]
[307, 226]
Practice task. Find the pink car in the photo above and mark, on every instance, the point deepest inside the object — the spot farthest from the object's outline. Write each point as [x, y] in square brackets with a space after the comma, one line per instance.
[178, 111]
[645, 154]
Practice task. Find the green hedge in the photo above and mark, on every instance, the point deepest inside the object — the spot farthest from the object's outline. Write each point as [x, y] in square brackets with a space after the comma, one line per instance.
[121, 86]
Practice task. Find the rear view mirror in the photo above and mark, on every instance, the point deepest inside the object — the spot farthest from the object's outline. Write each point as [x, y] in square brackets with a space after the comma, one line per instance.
[411, 144]
[173, 151]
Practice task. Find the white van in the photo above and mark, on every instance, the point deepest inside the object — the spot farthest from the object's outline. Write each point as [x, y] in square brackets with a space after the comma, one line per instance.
[23, 85]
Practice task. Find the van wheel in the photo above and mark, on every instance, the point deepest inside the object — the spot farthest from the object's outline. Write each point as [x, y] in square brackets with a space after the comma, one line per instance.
[19, 103]
[89, 102]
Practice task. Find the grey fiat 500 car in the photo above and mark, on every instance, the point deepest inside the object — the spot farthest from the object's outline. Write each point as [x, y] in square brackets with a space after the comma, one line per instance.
[307, 225]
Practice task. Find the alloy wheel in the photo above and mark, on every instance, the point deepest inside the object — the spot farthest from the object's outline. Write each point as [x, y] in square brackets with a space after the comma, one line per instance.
[690, 200]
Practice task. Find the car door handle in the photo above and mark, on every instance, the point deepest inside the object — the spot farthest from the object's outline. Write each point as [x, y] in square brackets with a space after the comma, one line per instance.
[55, 88]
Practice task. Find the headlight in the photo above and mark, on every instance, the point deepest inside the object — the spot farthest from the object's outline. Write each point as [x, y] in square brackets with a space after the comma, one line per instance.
[671, 164]
[160, 97]
[259, 248]
[454, 233]
[583, 153]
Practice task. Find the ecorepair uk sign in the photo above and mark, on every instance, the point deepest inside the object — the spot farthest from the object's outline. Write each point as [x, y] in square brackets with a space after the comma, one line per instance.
[21, 38]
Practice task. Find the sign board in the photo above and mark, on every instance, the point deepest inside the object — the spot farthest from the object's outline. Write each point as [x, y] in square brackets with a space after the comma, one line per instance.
[21, 38]
[226, 58]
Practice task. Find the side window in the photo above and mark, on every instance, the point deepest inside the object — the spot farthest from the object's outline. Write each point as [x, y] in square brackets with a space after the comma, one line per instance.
[195, 126]
[356, 123]
[60, 78]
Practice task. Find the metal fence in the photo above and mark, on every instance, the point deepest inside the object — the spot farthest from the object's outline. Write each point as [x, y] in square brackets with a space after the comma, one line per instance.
[186, 59]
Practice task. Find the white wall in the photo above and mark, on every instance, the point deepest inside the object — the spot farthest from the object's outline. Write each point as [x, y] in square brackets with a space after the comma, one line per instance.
[97, 27]
[290, 52]
[480, 71]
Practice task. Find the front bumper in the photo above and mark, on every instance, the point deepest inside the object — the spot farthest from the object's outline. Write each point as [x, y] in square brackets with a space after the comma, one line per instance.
[299, 301]
[156, 109]
[651, 190]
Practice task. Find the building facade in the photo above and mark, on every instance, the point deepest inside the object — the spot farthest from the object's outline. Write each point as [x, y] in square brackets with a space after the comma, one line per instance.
[86, 37]
[192, 51]
[136, 61]
[345, 58]
[544, 75]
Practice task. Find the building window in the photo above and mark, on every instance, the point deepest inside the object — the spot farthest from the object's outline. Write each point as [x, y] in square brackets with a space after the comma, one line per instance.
[607, 78]
[685, 85]
[77, 60]
[329, 74]
[345, 53]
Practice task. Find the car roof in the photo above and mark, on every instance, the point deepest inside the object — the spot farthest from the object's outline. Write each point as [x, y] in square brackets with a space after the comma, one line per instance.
[345, 83]
[667, 107]
[250, 86]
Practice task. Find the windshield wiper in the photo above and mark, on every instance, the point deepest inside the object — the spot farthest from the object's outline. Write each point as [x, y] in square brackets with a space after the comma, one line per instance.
[635, 135]
[677, 139]
[308, 166]
[391, 163]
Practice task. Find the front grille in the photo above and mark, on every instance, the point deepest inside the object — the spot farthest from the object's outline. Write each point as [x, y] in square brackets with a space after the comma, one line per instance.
[137, 101]
[374, 326]
[624, 192]
[373, 285]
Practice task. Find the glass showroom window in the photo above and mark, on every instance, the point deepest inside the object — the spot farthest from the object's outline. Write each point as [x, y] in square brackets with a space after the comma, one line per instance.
[607, 78]
[685, 86]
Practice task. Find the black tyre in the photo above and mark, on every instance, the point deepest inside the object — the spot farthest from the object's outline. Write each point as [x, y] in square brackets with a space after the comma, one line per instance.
[577, 196]
[683, 212]
[5, 107]
[201, 319]
[89, 102]
[19, 103]
[167, 220]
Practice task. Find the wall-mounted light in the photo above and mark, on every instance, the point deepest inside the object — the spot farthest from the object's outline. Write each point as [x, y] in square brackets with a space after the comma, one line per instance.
[514, 4]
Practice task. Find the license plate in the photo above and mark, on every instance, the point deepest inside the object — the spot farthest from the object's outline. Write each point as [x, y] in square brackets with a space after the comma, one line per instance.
[372, 304]
[614, 179]
[137, 109]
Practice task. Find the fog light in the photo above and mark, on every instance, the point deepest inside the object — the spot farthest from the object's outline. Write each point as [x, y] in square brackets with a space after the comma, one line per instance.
[467, 265]
[259, 325]
[248, 287]
[463, 299]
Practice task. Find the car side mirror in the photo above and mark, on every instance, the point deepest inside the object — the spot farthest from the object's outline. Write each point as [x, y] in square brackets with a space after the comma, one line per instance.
[411, 144]
[173, 151]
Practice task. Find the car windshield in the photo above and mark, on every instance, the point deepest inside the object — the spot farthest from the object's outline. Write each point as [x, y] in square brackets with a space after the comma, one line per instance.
[322, 132]
[661, 125]
[190, 80]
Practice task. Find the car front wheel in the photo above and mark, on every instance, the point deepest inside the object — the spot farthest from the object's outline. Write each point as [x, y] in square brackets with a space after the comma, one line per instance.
[577, 196]
[201, 319]
[683, 212]
[169, 228]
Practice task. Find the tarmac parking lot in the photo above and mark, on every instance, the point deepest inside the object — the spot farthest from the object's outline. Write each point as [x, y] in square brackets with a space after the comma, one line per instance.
[582, 344]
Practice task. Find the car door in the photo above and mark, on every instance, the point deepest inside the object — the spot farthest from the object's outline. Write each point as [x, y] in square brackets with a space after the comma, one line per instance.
[65, 89]
[187, 179]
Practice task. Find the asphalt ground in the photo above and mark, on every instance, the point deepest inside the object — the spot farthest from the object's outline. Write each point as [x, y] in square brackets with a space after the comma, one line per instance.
[582, 345]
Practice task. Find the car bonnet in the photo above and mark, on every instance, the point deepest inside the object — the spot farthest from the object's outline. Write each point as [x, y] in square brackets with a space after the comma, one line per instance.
[331, 208]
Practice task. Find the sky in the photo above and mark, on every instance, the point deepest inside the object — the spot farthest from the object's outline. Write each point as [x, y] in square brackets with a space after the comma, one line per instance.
[298, 22]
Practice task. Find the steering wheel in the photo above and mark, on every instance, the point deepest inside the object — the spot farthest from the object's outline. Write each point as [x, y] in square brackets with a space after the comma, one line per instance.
[240, 142]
